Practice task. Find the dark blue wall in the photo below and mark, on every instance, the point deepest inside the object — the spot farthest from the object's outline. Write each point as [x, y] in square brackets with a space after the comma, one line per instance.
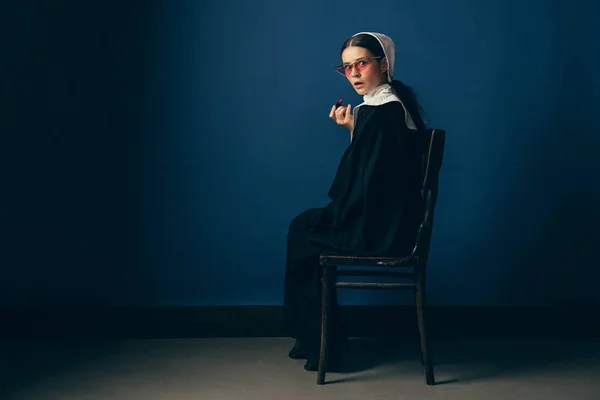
[162, 148]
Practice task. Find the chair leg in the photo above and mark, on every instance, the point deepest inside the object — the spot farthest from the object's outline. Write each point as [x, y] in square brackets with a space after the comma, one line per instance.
[325, 314]
[425, 357]
[419, 317]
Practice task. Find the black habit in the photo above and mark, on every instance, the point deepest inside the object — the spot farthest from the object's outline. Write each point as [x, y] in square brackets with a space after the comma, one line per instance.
[376, 207]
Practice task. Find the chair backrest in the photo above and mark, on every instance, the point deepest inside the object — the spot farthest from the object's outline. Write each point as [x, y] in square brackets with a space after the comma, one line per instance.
[434, 141]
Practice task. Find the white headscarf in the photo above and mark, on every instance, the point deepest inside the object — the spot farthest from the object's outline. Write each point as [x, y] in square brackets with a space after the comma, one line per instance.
[389, 50]
[384, 93]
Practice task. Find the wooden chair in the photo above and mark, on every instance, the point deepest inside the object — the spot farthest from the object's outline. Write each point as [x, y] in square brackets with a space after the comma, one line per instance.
[433, 146]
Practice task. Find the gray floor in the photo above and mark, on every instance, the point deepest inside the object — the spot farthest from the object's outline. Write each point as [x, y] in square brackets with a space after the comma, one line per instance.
[258, 368]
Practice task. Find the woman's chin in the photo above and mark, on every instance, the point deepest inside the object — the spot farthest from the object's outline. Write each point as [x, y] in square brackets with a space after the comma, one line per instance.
[362, 89]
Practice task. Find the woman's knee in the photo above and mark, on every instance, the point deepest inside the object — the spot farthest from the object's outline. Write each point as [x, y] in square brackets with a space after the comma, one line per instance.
[295, 225]
[301, 220]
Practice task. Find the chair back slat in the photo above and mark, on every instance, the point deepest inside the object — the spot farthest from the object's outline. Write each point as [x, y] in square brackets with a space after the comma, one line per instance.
[434, 141]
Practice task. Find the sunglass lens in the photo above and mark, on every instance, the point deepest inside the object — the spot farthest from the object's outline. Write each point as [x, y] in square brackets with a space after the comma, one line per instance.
[340, 70]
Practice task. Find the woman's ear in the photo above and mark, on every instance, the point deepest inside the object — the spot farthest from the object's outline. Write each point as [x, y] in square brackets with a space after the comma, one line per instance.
[384, 69]
[384, 64]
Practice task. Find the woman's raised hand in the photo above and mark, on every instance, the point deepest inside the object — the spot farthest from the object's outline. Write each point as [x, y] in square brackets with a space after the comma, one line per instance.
[342, 116]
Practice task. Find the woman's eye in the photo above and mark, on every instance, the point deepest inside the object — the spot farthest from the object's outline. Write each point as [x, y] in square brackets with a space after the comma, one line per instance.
[362, 63]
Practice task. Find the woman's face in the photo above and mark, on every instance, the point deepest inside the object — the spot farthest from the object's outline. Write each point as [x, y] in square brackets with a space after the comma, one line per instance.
[365, 73]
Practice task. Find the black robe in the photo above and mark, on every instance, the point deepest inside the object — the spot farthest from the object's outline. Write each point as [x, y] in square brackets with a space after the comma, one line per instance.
[376, 202]
[375, 209]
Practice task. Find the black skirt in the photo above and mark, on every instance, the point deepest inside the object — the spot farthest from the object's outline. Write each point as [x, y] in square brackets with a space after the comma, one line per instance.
[302, 291]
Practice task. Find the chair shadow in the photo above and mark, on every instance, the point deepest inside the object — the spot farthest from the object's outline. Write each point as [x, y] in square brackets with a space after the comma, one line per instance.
[470, 359]
[512, 357]
[364, 354]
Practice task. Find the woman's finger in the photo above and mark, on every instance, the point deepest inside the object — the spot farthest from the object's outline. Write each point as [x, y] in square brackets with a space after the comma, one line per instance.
[332, 112]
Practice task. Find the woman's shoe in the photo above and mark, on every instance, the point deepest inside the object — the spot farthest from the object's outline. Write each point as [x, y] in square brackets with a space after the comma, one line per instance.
[311, 366]
[297, 352]
[334, 364]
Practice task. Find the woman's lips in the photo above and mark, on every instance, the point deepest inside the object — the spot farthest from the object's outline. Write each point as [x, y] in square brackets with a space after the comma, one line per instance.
[358, 84]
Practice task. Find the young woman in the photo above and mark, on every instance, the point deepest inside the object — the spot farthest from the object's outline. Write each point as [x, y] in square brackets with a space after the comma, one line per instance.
[376, 204]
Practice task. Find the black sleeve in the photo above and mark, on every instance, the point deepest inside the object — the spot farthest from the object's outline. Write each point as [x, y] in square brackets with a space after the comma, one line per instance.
[376, 187]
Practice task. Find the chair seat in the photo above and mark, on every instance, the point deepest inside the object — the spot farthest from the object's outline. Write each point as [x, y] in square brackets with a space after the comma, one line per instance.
[337, 259]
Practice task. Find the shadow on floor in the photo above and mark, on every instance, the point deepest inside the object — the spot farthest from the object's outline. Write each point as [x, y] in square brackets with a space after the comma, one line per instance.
[467, 359]
[484, 358]
[33, 362]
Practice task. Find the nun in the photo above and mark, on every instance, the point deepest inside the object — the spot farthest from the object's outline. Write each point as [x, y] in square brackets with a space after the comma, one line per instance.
[375, 204]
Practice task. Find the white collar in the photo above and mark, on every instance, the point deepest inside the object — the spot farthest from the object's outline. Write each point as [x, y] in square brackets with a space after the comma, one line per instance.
[383, 94]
